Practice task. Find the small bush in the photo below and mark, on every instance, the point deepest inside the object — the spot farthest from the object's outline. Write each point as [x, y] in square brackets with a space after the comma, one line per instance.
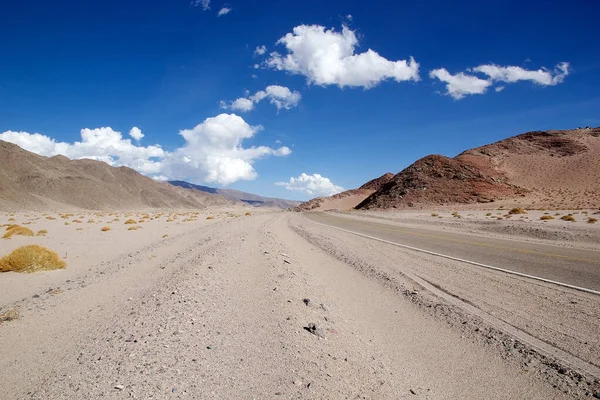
[569, 218]
[592, 220]
[210, 217]
[50, 218]
[488, 214]
[76, 221]
[517, 210]
[11, 220]
[134, 228]
[31, 258]
[105, 229]
[130, 221]
[17, 230]
[9, 315]
[42, 232]
[248, 213]
[434, 215]
[165, 236]
[546, 217]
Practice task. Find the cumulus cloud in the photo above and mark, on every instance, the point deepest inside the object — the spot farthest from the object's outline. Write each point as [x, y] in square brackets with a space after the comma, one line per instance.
[462, 84]
[224, 11]
[205, 4]
[260, 50]
[213, 151]
[280, 96]
[136, 133]
[326, 57]
[512, 74]
[314, 184]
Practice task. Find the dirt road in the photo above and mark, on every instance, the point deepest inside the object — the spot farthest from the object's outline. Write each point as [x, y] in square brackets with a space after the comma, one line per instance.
[273, 306]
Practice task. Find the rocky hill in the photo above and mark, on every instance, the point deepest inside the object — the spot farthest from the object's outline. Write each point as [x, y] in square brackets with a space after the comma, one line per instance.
[550, 169]
[32, 182]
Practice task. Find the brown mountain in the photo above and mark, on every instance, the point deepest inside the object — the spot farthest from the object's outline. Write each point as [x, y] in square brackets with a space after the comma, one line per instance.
[32, 182]
[552, 169]
[345, 200]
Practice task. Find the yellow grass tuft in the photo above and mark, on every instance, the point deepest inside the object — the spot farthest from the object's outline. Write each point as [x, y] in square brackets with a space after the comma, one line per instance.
[569, 218]
[42, 232]
[434, 214]
[11, 220]
[517, 210]
[546, 217]
[165, 236]
[105, 229]
[31, 258]
[17, 230]
[248, 213]
[50, 218]
[210, 217]
[134, 228]
[592, 220]
[9, 315]
[130, 221]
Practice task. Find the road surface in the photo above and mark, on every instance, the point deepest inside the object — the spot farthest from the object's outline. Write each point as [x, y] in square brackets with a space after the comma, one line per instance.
[570, 266]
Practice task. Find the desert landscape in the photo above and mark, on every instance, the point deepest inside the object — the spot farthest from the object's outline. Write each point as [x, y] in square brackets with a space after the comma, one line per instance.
[473, 277]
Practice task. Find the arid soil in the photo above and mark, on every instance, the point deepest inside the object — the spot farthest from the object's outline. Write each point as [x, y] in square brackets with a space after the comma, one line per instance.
[273, 306]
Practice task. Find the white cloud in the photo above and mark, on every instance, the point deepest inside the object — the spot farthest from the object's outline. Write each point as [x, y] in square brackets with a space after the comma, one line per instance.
[224, 11]
[213, 151]
[460, 85]
[314, 184]
[205, 4]
[160, 178]
[326, 57]
[260, 50]
[279, 96]
[136, 133]
[513, 74]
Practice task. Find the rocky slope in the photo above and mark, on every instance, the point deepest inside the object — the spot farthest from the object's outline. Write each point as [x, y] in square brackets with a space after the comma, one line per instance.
[32, 182]
[345, 200]
[551, 169]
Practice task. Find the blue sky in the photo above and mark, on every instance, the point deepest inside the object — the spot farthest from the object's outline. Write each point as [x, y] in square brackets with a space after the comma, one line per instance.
[171, 67]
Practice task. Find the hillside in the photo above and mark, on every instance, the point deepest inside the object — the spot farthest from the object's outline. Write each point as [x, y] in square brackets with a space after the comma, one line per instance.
[551, 169]
[238, 195]
[345, 200]
[32, 182]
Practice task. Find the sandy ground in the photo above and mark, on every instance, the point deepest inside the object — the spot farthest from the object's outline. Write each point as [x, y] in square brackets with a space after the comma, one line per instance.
[269, 306]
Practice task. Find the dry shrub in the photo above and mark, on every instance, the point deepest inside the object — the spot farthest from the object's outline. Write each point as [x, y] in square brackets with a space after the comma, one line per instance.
[42, 232]
[134, 228]
[9, 315]
[569, 218]
[517, 210]
[31, 258]
[592, 220]
[91, 221]
[165, 236]
[11, 220]
[248, 213]
[434, 214]
[105, 229]
[50, 218]
[130, 221]
[210, 217]
[67, 223]
[76, 221]
[546, 217]
[17, 230]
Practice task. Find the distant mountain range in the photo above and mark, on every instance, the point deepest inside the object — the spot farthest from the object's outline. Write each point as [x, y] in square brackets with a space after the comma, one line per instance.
[32, 182]
[237, 195]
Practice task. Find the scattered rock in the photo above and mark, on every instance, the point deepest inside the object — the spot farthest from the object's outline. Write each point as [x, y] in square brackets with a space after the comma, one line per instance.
[119, 387]
[286, 261]
[307, 302]
[412, 392]
[298, 382]
[315, 330]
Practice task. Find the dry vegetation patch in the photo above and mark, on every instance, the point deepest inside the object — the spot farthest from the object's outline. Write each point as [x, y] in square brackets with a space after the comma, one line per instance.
[546, 217]
[31, 258]
[105, 229]
[17, 230]
[592, 220]
[9, 315]
[130, 221]
[42, 232]
[517, 210]
[569, 218]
